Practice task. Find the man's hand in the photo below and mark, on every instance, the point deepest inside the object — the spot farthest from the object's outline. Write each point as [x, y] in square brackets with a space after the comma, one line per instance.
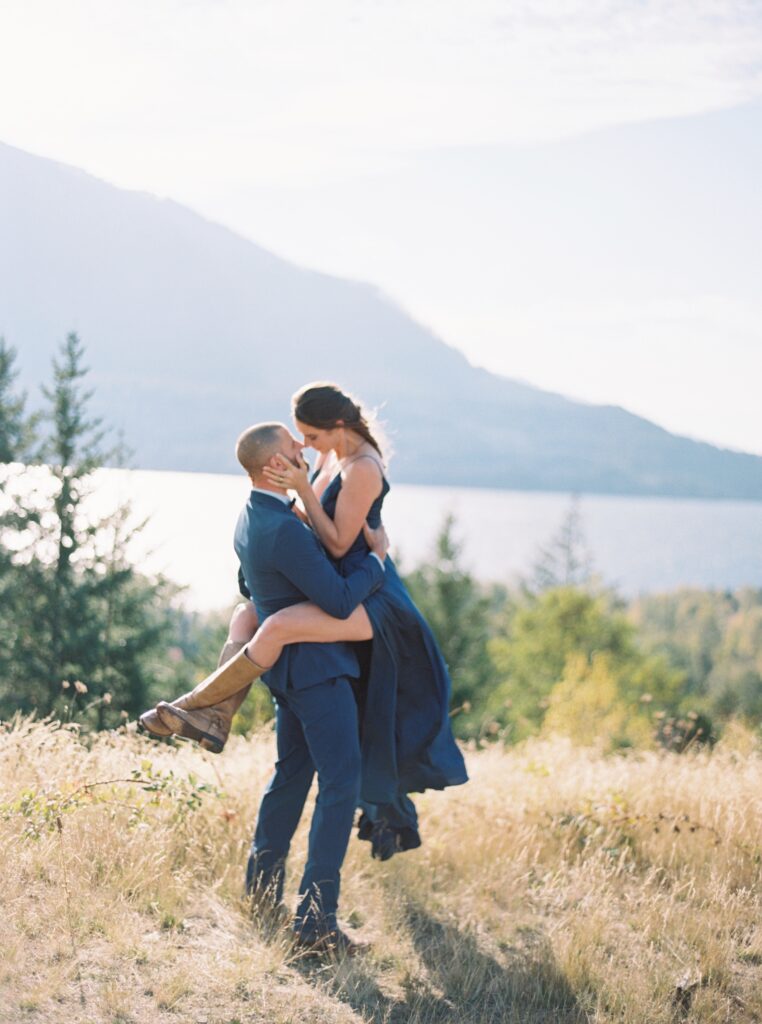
[377, 540]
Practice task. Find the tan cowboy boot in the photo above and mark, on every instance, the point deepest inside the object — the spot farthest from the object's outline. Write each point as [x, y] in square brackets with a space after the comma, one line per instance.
[215, 720]
[206, 713]
[210, 726]
[151, 722]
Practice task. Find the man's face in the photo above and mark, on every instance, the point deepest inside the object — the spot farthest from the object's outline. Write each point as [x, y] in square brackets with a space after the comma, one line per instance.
[289, 447]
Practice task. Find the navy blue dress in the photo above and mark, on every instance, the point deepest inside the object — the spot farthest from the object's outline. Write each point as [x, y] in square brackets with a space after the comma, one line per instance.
[407, 742]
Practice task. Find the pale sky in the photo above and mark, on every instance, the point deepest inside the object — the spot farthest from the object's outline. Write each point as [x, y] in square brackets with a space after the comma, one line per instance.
[565, 190]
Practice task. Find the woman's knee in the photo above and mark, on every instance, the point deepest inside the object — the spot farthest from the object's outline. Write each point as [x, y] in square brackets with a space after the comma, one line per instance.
[279, 628]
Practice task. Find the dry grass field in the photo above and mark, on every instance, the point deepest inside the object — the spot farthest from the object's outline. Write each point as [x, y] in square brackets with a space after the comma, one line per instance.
[558, 886]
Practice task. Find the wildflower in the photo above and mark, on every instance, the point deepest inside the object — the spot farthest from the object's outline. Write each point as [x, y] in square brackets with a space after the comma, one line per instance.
[80, 687]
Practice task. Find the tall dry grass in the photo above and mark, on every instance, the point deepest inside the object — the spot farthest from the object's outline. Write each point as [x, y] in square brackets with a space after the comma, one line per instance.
[558, 886]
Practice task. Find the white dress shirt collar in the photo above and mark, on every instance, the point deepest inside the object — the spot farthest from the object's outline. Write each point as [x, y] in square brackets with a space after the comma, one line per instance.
[273, 494]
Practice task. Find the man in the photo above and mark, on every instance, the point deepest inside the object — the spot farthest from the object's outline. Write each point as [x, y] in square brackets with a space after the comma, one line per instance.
[283, 563]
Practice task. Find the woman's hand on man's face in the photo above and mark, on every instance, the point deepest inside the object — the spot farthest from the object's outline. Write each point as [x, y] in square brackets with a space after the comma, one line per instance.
[284, 473]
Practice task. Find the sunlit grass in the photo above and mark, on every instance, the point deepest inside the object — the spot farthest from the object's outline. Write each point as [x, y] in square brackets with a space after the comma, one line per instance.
[558, 885]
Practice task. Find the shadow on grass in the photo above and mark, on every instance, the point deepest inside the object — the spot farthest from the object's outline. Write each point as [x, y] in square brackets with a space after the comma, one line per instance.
[525, 985]
[356, 985]
[454, 980]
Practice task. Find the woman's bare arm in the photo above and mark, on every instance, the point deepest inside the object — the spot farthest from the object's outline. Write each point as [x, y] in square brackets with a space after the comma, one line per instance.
[361, 485]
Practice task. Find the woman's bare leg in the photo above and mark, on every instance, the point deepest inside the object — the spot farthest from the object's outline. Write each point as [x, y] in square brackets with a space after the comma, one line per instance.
[305, 623]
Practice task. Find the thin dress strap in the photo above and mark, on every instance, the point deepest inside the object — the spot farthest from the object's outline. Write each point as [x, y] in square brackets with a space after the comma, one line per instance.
[341, 469]
[365, 455]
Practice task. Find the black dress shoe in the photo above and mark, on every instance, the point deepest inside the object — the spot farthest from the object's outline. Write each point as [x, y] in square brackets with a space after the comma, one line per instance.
[385, 839]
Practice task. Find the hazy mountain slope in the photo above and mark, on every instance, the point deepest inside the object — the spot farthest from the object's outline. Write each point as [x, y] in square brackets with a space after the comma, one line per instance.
[193, 332]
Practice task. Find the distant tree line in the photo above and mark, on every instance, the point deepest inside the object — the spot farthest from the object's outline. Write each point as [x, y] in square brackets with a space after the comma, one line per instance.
[563, 653]
[715, 639]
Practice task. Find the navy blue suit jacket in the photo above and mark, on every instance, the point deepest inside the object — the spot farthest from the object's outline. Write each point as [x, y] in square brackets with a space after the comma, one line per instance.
[283, 564]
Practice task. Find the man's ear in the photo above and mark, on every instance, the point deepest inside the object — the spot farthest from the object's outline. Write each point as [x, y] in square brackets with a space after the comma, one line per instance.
[277, 461]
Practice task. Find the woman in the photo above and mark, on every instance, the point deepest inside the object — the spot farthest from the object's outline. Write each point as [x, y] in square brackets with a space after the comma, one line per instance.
[407, 740]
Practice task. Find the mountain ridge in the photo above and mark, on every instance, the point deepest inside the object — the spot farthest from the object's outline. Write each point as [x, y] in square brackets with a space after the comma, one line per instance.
[193, 331]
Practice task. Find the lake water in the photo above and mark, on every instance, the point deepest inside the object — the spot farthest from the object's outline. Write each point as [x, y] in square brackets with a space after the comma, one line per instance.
[637, 544]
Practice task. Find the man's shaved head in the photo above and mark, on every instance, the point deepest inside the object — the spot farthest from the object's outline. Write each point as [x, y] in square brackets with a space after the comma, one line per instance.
[257, 445]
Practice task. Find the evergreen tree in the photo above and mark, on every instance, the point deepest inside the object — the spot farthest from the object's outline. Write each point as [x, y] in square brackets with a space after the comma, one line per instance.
[90, 632]
[566, 560]
[72, 452]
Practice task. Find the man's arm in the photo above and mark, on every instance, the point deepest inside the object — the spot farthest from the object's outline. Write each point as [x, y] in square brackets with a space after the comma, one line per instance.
[302, 560]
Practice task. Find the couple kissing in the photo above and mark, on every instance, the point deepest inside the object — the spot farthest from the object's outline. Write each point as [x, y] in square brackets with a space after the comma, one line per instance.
[359, 683]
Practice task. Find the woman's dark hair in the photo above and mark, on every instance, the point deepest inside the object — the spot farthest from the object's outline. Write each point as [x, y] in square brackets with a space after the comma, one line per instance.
[322, 405]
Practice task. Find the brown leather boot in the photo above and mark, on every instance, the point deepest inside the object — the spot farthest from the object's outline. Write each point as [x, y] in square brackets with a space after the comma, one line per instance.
[149, 721]
[206, 713]
[215, 721]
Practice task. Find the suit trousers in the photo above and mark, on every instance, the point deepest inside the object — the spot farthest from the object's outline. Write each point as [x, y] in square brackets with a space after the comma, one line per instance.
[317, 732]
